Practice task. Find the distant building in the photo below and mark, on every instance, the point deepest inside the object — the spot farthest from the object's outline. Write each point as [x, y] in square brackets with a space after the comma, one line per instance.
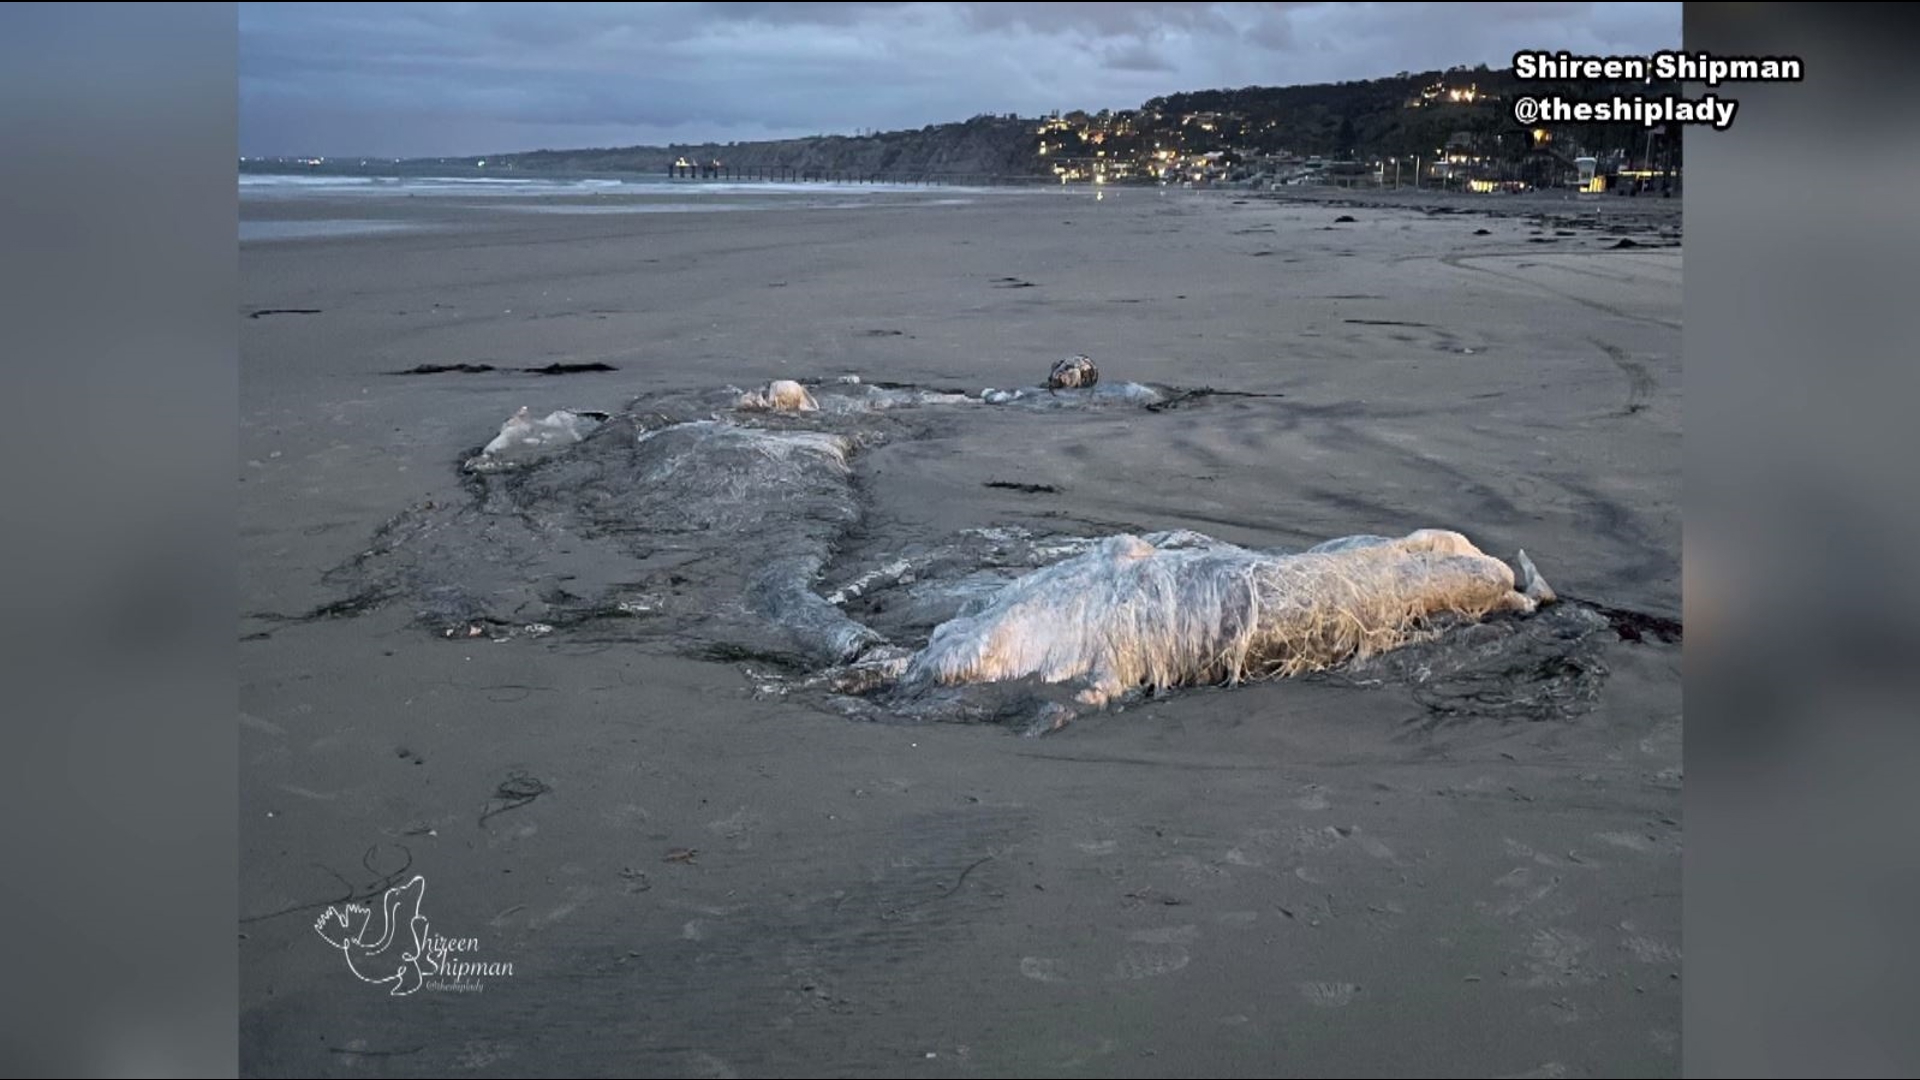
[1587, 176]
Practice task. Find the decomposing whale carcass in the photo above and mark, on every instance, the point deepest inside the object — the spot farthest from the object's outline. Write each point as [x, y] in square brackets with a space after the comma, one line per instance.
[524, 431]
[1179, 609]
[525, 435]
[692, 522]
[1072, 373]
[780, 395]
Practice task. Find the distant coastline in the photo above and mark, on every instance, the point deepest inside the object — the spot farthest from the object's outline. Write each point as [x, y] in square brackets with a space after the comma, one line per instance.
[1446, 128]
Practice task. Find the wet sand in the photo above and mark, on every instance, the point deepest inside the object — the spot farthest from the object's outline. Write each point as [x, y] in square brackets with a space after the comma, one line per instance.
[1296, 878]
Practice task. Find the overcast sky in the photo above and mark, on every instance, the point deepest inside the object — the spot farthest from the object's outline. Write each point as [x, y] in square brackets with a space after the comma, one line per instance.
[417, 80]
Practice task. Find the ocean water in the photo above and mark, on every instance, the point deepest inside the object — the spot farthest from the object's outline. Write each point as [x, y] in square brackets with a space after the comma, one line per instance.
[336, 185]
[652, 206]
[311, 185]
[262, 193]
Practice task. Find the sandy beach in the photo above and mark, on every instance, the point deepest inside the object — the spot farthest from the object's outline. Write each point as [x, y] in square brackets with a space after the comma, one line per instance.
[690, 876]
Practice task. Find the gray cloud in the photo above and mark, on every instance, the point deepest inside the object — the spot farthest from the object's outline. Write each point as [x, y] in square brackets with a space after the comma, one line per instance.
[432, 79]
[1135, 56]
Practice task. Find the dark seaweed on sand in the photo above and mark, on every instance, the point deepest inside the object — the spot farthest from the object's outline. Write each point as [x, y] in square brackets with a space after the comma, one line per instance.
[569, 369]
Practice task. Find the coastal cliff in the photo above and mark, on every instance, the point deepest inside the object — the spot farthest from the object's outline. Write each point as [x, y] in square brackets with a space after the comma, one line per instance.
[983, 146]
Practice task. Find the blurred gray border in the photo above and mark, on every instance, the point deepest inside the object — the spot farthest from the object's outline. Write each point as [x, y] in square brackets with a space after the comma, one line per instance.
[117, 283]
[1803, 847]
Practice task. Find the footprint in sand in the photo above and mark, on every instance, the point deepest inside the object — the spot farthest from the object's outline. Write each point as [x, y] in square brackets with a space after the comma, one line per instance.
[1197, 873]
[1558, 958]
[738, 827]
[1372, 845]
[1527, 889]
[1314, 799]
[1329, 995]
[1085, 1052]
[1043, 969]
[1161, 951]
[575, 896]
[1518, 850]
[1552, 1070]
[1148, 961]
[706, 1065]
[1557, 1011]
[481, 1053]
[1325, 838]
[625, 816]
[1648, 951]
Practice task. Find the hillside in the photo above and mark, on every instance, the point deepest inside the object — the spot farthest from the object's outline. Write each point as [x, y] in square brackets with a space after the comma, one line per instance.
[980, 147]
[1464, 111]
[1404, 115]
